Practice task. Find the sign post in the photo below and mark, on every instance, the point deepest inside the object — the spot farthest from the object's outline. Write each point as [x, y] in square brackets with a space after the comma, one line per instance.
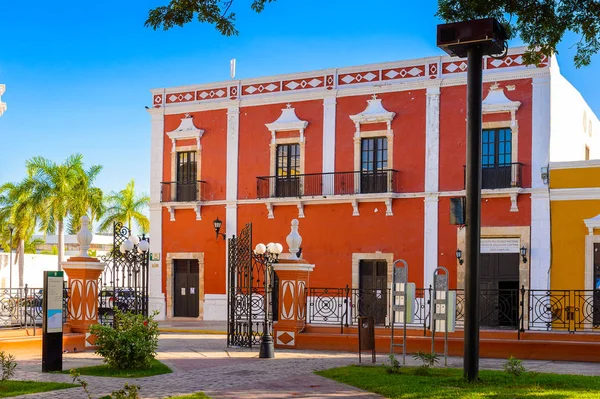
[52, 322]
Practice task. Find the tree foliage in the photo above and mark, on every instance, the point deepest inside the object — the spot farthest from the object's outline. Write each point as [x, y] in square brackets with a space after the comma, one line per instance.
[541, 24]
[125, 207]
[213, 12]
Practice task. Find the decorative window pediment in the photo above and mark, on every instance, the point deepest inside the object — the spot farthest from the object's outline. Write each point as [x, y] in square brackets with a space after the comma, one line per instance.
[287, 121]
[496, 101]
[592, 223]
[374, 113]
[186, 130]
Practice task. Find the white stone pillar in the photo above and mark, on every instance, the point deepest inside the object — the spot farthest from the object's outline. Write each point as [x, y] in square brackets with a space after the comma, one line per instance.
[156, 300]
[432, 156]
[329, 112]
[539, 253]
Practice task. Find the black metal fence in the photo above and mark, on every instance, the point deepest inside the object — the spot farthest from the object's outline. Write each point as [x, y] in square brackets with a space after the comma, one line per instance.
[506, 309]
[323, 184]
[22, 307]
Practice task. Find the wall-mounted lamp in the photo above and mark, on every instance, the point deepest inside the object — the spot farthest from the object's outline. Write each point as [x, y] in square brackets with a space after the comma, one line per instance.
[524, 253]
[459, 256]
[217, 223]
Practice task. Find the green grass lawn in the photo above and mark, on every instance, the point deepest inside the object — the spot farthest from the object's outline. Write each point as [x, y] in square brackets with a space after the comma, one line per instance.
[448, 383]
[198, 395]
[104, 371]
[13, 388]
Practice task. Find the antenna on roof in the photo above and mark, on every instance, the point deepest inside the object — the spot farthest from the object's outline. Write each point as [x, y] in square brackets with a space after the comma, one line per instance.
[232, 67]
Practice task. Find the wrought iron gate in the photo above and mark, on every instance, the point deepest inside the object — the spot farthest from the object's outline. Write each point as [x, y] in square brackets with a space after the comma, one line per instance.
[250, 303]
[124, 282]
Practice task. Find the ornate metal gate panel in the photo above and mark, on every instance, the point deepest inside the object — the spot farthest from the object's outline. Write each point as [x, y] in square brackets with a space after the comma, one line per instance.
[249, 304]
[124, 282]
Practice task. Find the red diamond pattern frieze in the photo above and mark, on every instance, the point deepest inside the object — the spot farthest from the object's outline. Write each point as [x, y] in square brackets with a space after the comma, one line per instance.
[260, 88]
[233, 92]
[433, 71]
[513, 60]
[180, 97]
[403, 73]
[157, 101]
[211, 94]
[329, 81]
[454, 66]
[359, 77]
[300, 84]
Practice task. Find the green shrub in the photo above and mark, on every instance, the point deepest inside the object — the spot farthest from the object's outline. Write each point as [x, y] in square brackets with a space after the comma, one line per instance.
[428, 359]
[514, 367]
[8, 364]
[130, 344]
[394, 364]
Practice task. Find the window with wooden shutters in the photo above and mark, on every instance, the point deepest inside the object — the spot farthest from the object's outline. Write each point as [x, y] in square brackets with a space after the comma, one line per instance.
[187, 176]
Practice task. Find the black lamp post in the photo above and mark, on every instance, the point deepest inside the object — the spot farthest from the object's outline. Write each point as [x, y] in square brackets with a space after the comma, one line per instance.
[267, 255]
[473, 39]
[217, 224]
[11, 229]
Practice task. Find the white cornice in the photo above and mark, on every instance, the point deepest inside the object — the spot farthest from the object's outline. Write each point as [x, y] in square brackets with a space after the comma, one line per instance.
[595, 163]
[574, 194]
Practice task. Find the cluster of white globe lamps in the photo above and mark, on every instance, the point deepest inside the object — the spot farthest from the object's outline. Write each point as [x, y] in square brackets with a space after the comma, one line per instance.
[274, 248]
[131, 242]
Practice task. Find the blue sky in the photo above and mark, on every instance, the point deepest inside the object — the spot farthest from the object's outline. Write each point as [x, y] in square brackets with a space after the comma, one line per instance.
[78, 73]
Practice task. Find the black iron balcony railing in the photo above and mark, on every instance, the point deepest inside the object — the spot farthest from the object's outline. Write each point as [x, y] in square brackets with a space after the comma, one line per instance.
[186, 191]
[324, 184]
[500, 176]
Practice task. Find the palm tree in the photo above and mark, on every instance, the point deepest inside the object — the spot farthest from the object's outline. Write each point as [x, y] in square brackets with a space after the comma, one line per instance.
[89, 199]
[17, 207]
[126, 207]
[31, 245]
[63, 190]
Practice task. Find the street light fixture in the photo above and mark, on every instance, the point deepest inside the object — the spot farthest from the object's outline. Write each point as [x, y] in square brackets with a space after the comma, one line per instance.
[11, 228]
[267, 255]
[459, 256]
[473, 39]
[217, 225]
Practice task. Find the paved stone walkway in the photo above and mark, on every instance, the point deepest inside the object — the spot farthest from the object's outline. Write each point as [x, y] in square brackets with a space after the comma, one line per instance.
[203, 363]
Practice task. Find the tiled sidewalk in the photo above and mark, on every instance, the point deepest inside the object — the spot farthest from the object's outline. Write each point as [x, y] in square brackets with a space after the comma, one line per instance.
[203, 363]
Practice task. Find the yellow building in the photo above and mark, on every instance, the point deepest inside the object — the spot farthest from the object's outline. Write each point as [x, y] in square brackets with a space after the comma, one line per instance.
[575, 221]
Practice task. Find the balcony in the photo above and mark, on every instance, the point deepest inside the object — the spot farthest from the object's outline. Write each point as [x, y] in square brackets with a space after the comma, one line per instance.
[500, 176]
[191, 191]
[327, 184]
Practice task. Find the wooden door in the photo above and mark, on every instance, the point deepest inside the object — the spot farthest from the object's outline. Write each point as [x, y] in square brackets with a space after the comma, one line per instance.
[372, 297]
[187, 282]
[499, 287]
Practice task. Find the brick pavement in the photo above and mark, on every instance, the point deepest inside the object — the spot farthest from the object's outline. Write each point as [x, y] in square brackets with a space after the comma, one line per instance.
[203, 363]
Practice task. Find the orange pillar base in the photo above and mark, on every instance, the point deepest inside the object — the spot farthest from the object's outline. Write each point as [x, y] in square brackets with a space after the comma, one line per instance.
[293, 280]
[83, 276]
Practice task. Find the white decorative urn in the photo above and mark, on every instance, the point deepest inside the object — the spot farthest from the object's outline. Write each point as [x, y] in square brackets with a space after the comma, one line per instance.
[84, 237]
[294, 240]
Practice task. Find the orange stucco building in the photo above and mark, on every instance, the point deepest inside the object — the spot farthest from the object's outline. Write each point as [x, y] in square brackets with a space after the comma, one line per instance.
[367, 158]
